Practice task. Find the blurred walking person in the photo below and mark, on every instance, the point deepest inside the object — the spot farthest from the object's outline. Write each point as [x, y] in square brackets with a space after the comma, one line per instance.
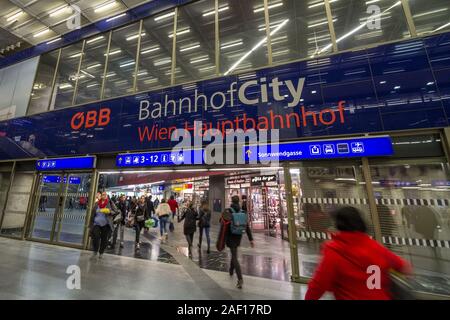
[347, 260]
[101, 224]
[236, 221]
[190, 220]
[163, 212]
[204, 224]
[140, 215]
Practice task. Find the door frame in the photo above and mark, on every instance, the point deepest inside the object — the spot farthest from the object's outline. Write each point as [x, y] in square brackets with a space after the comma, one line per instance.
[57, 217]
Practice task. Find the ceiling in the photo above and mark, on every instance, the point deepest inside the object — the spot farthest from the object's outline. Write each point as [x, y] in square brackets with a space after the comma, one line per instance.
[24, 23]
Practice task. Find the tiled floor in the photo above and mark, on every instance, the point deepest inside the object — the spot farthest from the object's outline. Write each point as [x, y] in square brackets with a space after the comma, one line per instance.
[30, 270]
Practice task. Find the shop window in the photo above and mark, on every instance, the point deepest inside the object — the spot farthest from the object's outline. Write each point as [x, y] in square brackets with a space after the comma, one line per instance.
[121, 61]
[317, 191]
[430, 16]
[42, 87]
[305, 34]
[195, 49]
[17, 204]
[155, 55]
[361, 23]
[92, 68]
[242, 45]
[66, 76]
[413, 209]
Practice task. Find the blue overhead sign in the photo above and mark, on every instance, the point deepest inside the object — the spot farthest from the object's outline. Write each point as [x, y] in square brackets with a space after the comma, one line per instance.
[57, 179]
[65, 164]
[323, 149]
[160, 158]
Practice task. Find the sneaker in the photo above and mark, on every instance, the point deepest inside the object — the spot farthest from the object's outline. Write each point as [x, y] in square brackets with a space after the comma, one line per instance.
[138, 246]
[208, 251]
[231, 272]
[239, 284]
[121, 244]
[94, 255]
[100, 256]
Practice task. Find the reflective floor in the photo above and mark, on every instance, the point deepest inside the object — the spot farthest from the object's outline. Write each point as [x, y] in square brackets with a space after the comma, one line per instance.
[31, 270]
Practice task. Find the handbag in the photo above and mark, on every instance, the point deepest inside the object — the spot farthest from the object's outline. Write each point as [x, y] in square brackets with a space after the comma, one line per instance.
[117, 218]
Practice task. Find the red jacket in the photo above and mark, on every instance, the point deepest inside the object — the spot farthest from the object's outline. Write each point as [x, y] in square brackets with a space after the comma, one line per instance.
[343, 269]
[173, 204]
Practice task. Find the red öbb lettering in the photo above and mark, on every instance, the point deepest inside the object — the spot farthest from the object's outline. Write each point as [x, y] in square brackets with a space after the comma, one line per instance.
[91, 119]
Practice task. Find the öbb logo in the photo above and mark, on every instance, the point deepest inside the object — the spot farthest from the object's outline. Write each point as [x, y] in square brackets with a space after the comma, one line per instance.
[91, 119]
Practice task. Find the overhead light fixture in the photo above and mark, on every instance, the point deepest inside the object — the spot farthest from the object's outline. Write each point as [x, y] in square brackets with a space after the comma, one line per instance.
[397, 87]
[211, 12]
[430, 83]
[148, 50]
[442, 27]
[14, 16]
[76, 55]
[162, 62]
[135, 36]
[188, 48]
[259, 44]
[372, 1]
[382, 82]
[60, 10]
[92, 85]
[65, 86]
[165, 16]
[362, 25]
[151, 81]
[114, 52]
[42, 32]
[270, 6]
[105, 6]
[199, 59]
[142, 73]
[187, 30]
[313, 25]
[112, 74]
[116, 17]
[231, 44]
[321, 3]
[87, 73]
[126, 64]
[95, 39]
[93, 66]
[429, 12]
[54, 40]
[206, 68]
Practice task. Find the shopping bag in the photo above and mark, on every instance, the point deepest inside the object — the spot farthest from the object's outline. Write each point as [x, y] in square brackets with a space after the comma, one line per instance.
[221, 239]
[149, 223]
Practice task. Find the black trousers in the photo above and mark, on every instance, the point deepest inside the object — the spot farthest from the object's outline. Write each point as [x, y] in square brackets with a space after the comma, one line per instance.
[138, 227]
[190, 239]
[100, 236]
[234, 264]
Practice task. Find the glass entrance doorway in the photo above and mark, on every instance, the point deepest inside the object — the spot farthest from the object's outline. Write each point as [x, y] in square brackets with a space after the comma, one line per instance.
[61, 208]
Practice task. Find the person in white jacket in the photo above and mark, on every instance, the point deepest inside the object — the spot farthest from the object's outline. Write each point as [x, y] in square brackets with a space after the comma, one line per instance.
[163, 212]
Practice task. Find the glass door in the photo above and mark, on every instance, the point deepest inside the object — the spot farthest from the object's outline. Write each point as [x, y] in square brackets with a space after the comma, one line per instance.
[61, 208]
[72, 217]
[48, 200]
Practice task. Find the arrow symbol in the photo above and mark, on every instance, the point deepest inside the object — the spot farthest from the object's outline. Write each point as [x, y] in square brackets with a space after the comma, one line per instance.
[249, 153]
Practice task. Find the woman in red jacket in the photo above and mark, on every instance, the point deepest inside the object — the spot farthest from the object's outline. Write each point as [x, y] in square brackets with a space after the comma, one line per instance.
[353, 266]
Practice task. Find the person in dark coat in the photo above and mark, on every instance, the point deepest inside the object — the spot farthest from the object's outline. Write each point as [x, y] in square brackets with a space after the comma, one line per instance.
[233, 241]
[347, 258]
[204, 224]
[190, 218]
[140, 215]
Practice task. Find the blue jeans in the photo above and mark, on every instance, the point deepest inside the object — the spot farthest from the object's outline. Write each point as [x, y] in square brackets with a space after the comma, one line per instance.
[208, 239]
[163, 224]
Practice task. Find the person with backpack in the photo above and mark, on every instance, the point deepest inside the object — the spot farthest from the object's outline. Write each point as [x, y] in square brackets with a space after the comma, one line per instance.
[163, 212]
[347, 260]
[234, 224]
[190, 218]
[204, 224]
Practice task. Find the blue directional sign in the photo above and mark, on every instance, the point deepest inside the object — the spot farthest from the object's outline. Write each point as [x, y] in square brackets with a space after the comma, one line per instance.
[57, 179]
[160, 158]
[66, 164]
[324, 149]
